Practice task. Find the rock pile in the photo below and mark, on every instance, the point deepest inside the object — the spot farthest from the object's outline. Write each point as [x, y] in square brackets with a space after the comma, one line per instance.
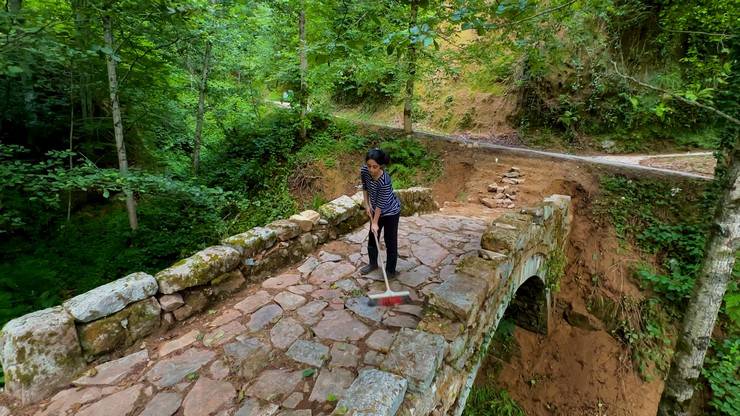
[504, 193]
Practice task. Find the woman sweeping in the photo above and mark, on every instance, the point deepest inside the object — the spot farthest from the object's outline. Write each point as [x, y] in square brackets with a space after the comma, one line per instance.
[384, 209]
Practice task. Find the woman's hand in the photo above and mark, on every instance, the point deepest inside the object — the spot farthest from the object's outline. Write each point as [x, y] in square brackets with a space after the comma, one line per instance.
[374, 227]
[369, 212]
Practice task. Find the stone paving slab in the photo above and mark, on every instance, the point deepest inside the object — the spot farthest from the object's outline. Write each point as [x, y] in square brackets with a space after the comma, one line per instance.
[117, 404]
[113, 371]
[374, 393]
[302, 342]
[416, 355]
[308, 352]
[207, 396]
[163, 404]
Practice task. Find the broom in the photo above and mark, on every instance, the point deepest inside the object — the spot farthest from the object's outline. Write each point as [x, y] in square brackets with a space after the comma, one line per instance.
[389, 297]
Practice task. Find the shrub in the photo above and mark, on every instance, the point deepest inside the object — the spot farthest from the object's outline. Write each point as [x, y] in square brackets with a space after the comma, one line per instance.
[411, 164]
[721, 370]
[648, 212]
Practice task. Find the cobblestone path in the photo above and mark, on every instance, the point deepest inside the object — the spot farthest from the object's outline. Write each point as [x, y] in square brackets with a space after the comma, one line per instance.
[300, 343]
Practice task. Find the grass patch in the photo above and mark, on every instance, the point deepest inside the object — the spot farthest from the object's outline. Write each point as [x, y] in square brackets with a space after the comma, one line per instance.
[502, 349]
[326, 146]
[643, 326]
[488, 401]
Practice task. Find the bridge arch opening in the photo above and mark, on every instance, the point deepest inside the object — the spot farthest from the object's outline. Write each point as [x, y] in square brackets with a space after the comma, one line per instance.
[529, 306]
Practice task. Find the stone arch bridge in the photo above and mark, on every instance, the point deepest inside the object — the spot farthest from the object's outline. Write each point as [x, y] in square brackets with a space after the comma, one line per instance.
[274, 321]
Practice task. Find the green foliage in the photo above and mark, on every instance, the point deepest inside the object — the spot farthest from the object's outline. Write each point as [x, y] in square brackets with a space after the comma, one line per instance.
[562, 65]
[326, 145]
[721, 370]
[644, 327]
[671, 222]
[252, 157]
[309, 372]
[95, 248]
[674, 286]
[555, 267]
[412, 164]
[649, 212]
[503, 344]
[371, 84]
[732, 300]
[466, 122]
[486, 401]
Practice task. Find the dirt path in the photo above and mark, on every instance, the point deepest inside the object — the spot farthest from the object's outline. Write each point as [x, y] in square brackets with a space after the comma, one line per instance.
[698, 165]
[644, 163]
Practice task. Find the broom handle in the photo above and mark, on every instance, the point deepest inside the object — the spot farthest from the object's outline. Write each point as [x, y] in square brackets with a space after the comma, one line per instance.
[377, 244]
[380, 259]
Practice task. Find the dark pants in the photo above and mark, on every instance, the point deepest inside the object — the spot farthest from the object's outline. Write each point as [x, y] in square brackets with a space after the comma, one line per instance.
[390, 225]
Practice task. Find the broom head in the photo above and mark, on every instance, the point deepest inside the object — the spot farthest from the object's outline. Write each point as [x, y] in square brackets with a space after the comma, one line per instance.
[389, 298]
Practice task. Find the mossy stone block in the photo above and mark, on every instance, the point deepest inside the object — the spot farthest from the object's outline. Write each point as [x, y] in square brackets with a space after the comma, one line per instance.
[198, 269]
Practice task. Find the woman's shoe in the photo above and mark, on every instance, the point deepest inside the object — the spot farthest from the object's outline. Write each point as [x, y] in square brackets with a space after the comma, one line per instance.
[368, 268]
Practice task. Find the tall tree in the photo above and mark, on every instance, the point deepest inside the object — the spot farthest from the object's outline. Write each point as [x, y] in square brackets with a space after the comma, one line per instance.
[719, 260]
[408, 101]
[302, 52]
[13, 6]
[117, 121]
[706, 299]
[82, 37]
[201, 107]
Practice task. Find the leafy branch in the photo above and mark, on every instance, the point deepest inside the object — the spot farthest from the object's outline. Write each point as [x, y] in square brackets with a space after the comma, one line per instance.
[676, 96]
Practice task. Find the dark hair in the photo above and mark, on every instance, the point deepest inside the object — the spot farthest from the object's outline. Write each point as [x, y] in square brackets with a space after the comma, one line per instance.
[379, 156]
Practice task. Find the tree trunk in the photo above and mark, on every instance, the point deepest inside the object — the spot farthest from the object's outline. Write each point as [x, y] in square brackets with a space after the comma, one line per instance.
[71, 136]
[82, 36]
[706, 299]
[411, 72]
[303, 69]
[13, 6]
[117, 122]
[201, 108]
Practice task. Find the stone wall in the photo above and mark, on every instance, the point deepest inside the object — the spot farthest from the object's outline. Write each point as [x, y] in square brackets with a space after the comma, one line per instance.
[446, 350]
[44, 350]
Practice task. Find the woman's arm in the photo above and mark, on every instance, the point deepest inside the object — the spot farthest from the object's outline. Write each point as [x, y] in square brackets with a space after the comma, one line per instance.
[376, 217]
[367, 204]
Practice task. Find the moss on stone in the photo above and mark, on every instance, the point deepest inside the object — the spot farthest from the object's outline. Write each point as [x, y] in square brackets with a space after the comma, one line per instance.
[500, 240]
[555, 269]
[102, 335]
[143, 319]
[198, 269]
[253, 241]
[416, 200]
[482, 269]
[108, 334]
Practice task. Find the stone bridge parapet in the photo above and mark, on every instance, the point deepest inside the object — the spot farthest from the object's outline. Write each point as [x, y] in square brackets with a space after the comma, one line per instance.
[520, 262]
[46, 349]
[305, 341]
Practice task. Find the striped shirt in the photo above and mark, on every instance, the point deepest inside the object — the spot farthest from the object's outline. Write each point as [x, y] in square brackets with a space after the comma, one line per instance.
[380, 192]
